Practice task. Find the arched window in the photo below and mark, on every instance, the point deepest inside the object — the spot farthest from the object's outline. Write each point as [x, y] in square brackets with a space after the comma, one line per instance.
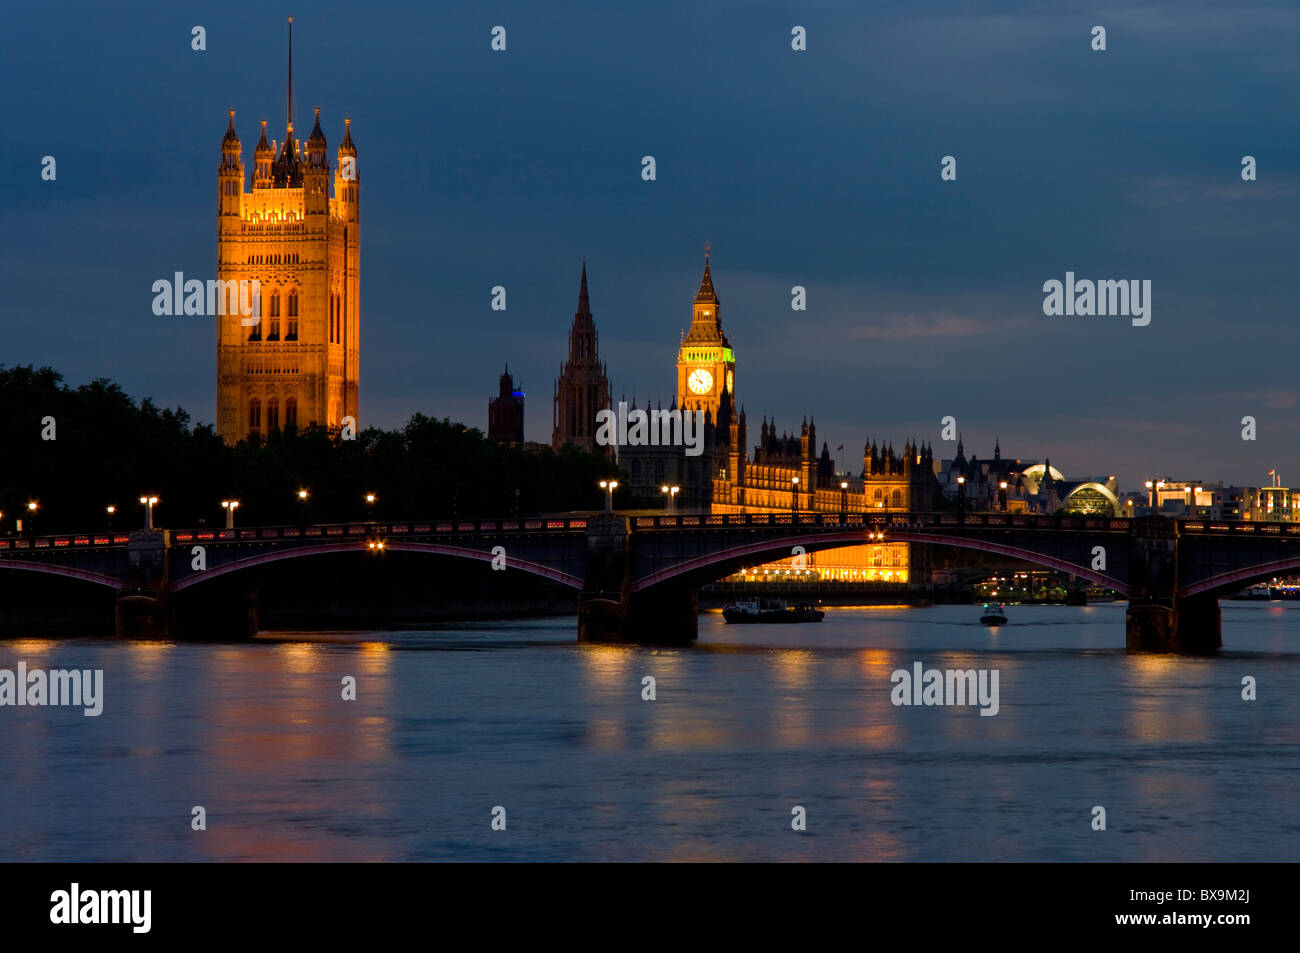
[254, 414]
[898, 497]
[275, 304]
[272, 414]
[291, 412]
[273, 333]
[877, 493]
[292, 335]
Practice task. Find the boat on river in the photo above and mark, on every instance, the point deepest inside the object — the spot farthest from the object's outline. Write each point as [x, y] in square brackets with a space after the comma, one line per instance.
[993, 614]
[771, 610]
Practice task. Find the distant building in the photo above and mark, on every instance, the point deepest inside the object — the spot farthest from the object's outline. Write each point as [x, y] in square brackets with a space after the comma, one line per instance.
[506, 412]
[786, 474]
[582, 388]
[1011, 485]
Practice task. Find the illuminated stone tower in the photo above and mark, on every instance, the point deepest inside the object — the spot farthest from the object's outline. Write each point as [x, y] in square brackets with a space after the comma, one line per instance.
[299, 365]
[706, 365]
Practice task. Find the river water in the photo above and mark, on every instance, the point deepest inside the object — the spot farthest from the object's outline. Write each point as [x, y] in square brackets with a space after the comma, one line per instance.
[746, 725]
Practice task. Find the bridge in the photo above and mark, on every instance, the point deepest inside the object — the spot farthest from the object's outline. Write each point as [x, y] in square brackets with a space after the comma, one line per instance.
[636, 578]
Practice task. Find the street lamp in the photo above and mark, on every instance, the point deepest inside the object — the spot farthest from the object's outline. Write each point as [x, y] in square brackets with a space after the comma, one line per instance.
[961, 497]
[370, 507]
[230, 506]
[302, 507]
[1002, 492]
[32, 507]
[110, 510]
[671, 493]
[844, 501]
[794, 494]
[609, 486]
[148, 502]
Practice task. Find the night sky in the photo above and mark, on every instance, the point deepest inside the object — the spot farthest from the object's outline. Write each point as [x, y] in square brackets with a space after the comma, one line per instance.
[818, 168]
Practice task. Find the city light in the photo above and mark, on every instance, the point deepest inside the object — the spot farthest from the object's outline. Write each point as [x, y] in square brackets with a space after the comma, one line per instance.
[230, 506]
[609, 486]
[148, 502]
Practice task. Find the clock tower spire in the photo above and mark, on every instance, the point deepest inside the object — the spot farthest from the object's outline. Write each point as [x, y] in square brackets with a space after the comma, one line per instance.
[706, 365]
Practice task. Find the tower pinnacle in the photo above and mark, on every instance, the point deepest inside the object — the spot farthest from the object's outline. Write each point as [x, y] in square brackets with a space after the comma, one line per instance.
[289, 97]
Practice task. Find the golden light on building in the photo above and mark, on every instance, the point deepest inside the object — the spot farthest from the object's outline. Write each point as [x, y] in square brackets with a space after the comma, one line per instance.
[297, 362]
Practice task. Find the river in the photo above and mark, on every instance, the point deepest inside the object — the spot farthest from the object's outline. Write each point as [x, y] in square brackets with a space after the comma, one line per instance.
[747, 724]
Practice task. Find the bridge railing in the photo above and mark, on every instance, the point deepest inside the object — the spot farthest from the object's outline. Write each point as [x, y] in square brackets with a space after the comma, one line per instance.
[884, 520]
[337, 531]
[75, 541]
[1241, 527]
[564, 524]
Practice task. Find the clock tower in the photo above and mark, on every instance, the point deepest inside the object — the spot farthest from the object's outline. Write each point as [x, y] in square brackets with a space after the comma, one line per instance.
[706, 365]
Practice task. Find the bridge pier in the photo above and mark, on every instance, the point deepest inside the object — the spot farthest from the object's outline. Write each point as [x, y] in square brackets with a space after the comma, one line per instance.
[143, 607]
[608, 610]
[1158, 619]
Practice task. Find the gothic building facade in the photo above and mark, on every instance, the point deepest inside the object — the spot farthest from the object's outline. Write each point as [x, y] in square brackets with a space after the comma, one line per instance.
[582, 388]
[785, 474]
[299, 363]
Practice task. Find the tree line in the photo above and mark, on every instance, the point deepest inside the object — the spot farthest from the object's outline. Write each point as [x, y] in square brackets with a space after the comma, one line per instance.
[75, 451]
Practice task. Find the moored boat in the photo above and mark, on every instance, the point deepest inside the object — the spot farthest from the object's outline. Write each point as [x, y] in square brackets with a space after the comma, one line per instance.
[771, 610]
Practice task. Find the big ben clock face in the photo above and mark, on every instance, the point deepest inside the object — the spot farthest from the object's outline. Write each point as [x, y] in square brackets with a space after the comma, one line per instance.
[700, 381]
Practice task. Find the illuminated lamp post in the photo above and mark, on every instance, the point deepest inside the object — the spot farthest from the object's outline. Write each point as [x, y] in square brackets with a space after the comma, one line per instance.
[1002, 494]
[961, 499]
[609, 486]
[302, 507]
[148, 502]
[230, 506]
[670, 493]
[794, 495]
[844, 501]
[110, 510]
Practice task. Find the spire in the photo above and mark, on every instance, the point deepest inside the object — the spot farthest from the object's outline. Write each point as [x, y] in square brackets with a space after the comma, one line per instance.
[316, 134]
[706, 294]
[231, 136]
[347, 147]
[316, 146]
[584, 306]
[997, 448]
[289, 98]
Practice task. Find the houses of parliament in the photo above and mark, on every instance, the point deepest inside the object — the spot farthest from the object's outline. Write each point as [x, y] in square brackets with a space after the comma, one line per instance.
[784, 474]
[299, 364]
